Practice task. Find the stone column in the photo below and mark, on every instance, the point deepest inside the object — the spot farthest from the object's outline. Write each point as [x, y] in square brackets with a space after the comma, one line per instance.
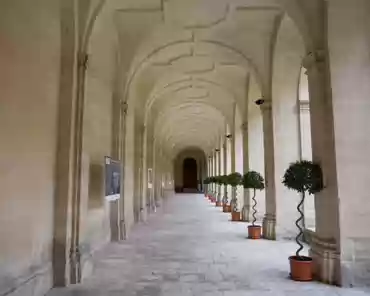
[144, 196]
[114, 206]
[225, 166]
[215, 162]
[219, 195]
[325, 246]
[234, 202]
[156, 173]
[208, 175]
[65, 158]
[246, 207]
[269, 221]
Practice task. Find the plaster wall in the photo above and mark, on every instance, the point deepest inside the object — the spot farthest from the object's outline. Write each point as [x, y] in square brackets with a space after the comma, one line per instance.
[129, 173]
[289, 52]
[349, 47]
[256, 153]
[29, 88]
[98, 134]
[306, 145]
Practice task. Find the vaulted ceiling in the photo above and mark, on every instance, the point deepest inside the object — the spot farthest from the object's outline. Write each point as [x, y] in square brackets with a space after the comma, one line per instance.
[185, 65]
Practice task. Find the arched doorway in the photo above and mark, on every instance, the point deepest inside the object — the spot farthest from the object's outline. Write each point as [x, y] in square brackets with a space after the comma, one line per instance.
[190, 175]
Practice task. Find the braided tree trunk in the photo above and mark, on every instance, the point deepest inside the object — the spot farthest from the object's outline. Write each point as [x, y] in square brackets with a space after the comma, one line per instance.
[298, 224]
[225, 199]
[254, 207]
[219, 193]
[235, 200]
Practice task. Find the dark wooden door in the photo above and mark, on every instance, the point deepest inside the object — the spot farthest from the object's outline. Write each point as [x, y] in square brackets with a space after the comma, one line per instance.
[190, 178]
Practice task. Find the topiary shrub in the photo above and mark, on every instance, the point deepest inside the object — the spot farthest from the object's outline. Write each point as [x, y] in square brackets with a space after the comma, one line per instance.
[304, 177]
[253, 180]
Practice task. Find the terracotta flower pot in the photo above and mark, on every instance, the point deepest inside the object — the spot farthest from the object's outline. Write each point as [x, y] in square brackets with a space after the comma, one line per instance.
[224, 208]
[229, 208]
[235, 216]
[254, 232]
[218, 204]
[301, 268]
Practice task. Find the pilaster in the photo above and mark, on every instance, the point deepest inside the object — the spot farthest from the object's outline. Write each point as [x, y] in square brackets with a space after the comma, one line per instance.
[325, 247]
[269, 221]
[246, 204]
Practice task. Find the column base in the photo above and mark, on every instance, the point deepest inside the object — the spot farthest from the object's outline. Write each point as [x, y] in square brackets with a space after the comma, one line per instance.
[269, 227]
[75, 265]
[246, 213]
[326, 258]
[143, 215]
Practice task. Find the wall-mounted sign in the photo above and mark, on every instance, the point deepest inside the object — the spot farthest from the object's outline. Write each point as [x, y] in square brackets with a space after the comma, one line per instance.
[112, 179]
[150, 178]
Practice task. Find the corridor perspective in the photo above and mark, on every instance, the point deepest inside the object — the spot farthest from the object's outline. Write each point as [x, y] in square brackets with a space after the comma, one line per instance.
[178, 253]
[149, 147]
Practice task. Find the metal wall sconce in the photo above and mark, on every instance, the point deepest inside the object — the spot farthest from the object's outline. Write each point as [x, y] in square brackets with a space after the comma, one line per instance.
[229, 136]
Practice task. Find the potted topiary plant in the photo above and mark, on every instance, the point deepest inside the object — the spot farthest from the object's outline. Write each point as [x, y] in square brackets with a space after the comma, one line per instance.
[225, 201]
[234, 180]
[253, 180]
[219, 183]
[304, 177]
[213, 195]
[206, 182]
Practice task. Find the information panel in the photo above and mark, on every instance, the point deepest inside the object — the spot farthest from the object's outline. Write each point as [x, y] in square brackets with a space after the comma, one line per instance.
[112, 179]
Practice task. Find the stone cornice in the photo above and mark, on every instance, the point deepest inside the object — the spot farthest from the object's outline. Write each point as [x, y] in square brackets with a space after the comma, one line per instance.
[314, 59]
[304, 105]
[266, 106]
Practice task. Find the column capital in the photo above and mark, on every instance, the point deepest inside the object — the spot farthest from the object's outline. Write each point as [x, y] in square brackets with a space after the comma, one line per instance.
[314, 59]
[83, 59]
[124, 107]
[244, 126]
[266, 106]
[304, 105]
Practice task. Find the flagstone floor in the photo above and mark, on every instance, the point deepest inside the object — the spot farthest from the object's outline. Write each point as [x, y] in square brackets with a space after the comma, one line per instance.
[190, 248]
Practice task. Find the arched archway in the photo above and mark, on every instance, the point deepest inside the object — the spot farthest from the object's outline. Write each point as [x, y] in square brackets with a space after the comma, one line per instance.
[190, 174]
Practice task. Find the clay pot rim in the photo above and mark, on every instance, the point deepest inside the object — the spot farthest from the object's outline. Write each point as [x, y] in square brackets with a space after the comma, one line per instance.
[301, 259]
[255, 226]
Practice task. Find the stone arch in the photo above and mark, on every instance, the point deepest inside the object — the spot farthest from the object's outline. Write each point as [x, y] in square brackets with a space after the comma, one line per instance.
[188, 152]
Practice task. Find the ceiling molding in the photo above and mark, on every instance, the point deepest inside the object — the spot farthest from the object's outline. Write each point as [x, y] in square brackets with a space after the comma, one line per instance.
[211, 24]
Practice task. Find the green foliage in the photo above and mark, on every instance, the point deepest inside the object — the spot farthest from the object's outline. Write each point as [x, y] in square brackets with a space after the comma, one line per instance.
[223, 180]
[253, 180]
[212, 179]
[304, 176]
[234, 179]
[207, 181]
[219, 180]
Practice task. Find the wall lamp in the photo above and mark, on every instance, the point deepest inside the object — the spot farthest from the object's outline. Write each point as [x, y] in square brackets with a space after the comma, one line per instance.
[259, 102]
[229, 136]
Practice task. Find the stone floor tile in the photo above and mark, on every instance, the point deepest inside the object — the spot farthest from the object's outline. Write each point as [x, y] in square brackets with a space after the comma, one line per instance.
[190, 248]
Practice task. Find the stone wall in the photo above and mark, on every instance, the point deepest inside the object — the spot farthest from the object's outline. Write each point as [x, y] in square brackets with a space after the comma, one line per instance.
[29, 86]
[349, 46]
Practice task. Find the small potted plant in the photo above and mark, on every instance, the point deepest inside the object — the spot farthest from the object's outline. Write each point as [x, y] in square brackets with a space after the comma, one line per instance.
[213, 194]
[234, 180]
[219, 183]
[304, 177]
[225, 200]
[206, 182]
[253, 180]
